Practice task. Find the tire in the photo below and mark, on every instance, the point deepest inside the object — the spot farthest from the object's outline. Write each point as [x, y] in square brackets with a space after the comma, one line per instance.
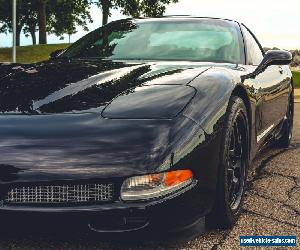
[287, 129]
[234, 160]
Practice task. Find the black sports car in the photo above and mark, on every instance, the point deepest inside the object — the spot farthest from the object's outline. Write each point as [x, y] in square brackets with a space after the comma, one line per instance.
[142, 125]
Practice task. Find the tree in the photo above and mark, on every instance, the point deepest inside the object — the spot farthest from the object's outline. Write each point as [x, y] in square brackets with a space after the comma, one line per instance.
[61, 16]
[42, 18]
[134, 8]
[154, 8]
[53, 16]
[23, 10]
[67, 15]
[29, 14]
[31, 23]
[106, 5]
[128, 7]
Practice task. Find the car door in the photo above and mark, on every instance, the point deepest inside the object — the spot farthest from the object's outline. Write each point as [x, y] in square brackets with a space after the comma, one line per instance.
[272, 87]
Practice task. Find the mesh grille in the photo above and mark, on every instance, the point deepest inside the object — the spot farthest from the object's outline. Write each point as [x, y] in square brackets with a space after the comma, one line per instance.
[61, 194]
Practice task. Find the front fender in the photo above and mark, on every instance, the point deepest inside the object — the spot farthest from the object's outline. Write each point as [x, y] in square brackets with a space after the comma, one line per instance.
[208, 108]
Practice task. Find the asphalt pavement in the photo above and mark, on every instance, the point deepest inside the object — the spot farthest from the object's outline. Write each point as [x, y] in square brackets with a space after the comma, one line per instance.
[271, 207]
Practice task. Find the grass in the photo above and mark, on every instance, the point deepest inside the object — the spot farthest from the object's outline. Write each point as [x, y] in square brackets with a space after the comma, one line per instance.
[30, 54]
[296, 77]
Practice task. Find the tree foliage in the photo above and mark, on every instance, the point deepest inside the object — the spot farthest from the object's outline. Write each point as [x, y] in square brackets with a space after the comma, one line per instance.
[53, 16]
[134, 8]
[24, 11]
[154, 8]
[67, 15]
[31, 22]
[63, 16]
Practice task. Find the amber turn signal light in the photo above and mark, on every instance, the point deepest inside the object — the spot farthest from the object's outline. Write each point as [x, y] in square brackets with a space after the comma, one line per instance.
[155, 185]
[177, 177]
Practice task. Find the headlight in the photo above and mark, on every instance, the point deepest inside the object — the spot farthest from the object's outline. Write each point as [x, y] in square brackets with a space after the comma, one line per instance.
[155, 185]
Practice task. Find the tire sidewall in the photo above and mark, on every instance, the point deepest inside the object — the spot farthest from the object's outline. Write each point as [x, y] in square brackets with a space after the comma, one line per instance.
[235, 107]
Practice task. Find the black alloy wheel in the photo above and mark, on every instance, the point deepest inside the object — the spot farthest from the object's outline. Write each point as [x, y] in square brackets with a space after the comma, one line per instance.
[236, 170]
[234, 160]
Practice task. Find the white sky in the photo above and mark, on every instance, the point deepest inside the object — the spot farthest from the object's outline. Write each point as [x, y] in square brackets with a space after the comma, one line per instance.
[276, 24]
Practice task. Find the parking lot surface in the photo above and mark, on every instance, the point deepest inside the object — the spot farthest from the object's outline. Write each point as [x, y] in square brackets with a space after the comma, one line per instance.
[271, 207]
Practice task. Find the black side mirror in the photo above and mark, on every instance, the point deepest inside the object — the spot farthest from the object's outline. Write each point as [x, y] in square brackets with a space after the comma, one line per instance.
[272, 57]
[56, 53]
[276, 57]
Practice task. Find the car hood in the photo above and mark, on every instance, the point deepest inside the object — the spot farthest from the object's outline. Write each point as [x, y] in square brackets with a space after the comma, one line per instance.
[62, 86]
[87, 146]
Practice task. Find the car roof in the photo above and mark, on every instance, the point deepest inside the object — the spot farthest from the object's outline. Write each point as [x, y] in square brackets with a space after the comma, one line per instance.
[177, 17]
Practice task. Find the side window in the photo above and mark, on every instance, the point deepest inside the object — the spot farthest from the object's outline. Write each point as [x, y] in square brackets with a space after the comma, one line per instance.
[254, 54]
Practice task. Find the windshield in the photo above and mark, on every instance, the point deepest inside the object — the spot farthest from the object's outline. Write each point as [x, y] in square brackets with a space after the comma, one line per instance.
[209, 40]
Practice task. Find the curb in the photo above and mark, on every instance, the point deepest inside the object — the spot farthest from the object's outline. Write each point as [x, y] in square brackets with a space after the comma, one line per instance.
[297, 95]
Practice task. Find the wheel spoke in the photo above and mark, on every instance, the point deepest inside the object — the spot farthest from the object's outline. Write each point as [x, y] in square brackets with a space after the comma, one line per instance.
[235, 180]
[231, 184]
[231, 153]
[235, 153]
[238, 145]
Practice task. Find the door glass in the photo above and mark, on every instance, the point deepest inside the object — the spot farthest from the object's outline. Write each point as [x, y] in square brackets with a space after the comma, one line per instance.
[254, 53]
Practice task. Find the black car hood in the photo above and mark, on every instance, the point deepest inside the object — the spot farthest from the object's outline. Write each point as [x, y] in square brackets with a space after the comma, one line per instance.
[52, 128]
[86, 146]
[62, 86]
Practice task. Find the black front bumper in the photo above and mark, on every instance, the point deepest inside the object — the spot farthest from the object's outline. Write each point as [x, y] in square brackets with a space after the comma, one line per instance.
[175, 213]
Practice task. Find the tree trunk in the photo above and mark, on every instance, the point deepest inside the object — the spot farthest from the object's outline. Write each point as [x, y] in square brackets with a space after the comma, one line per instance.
[105, 4]
[42, 21]
[18, 35]
[33, 36]
[105, 11]
[18, 40]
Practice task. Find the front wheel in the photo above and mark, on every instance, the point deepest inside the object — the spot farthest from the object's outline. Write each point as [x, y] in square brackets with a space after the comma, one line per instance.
[233, 167]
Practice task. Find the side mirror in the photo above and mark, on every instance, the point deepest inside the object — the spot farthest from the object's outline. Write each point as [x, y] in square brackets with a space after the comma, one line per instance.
[276, 57]
[56, 53]
[272, 57]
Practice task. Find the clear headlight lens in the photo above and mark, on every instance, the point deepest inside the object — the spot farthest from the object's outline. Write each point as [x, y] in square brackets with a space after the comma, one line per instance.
[155, 185]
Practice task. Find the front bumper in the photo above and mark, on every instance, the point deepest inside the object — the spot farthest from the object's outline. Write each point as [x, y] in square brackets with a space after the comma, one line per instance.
[178, 212]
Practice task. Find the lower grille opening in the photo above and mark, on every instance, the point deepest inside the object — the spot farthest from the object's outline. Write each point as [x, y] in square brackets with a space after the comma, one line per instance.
[58, 194]
[119, 221]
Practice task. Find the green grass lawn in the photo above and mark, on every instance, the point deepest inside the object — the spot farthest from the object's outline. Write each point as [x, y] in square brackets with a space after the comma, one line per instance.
[296, 76]
[30, 54]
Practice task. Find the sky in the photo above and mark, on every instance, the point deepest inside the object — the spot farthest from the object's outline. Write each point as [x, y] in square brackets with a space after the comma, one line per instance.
[275, 24]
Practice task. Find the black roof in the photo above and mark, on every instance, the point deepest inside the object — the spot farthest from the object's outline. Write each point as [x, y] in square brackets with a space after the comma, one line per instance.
[187, 16]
